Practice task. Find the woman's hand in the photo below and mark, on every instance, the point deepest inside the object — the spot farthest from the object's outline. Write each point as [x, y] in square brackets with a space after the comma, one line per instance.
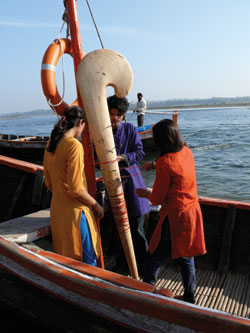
[144, 192]
[149, 166]
[85, 198]
[98, 210]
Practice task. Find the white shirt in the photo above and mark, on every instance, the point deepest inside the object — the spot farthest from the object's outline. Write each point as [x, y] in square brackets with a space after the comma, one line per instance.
[140, 106]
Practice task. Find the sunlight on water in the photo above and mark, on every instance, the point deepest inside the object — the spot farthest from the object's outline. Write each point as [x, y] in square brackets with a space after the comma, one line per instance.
[210, 147]
[219, 139]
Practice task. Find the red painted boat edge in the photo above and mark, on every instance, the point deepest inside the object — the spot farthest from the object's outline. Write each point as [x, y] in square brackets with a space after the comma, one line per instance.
[169, 310]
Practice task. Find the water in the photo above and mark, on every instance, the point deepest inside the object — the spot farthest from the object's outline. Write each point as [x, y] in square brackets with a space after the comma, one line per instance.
[219, 139]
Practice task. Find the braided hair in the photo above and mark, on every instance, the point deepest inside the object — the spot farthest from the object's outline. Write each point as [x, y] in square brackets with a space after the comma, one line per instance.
[71, 115]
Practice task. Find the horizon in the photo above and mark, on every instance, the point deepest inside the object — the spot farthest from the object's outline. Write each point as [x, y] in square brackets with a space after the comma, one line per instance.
[177, 50]
[180, 105]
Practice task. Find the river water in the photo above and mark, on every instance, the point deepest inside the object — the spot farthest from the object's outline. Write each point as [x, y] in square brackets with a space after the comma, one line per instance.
[218, 137]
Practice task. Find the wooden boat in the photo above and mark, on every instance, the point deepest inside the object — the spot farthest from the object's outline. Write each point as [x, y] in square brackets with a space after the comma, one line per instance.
[22, 188]
[145, 132]
[63, 287]
[31, 148]
[27, 148]
[76, 291]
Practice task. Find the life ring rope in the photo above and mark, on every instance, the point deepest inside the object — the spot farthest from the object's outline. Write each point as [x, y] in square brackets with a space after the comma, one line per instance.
[53, 53]
[53, 68]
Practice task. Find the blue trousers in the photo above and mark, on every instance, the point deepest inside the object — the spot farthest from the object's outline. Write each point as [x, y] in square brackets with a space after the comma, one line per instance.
[88, 253]
[154, 262]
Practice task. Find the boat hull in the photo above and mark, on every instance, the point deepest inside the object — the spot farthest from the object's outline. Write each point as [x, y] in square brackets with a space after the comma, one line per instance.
[147, 141]
[32, 151]
[105, 294]
[110, 296]
[132, 306]
[35, 308]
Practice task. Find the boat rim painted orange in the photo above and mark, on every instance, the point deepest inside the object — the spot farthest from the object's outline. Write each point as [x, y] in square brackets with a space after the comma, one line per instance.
[113, 290]
[21, 165]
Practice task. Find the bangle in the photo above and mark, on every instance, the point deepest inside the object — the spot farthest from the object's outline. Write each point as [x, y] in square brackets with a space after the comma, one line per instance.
[153, 165]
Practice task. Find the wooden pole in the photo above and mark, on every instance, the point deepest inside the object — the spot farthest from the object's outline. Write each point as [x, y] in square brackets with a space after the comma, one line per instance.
[97, 70]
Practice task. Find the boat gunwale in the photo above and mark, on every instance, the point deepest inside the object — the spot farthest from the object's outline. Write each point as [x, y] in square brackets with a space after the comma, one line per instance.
[223, 203]
[20, 165]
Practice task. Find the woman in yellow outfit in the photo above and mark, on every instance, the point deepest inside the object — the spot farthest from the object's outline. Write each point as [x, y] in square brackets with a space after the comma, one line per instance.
[74, 230]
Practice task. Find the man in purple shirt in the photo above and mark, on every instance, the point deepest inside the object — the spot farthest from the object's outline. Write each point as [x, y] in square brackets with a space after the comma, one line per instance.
[130, 152]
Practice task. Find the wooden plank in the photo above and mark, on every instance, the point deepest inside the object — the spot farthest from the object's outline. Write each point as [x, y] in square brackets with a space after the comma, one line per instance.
[27, 228]
[246, 301]
[16, 196]
[165, 277]
[227, 238]
[243, 295]
[237, 293]
[215, 291]
[226, 292]
[222, 297]
[223, 203]
[233, 294]
[38, 188]
[21, 165]
[200, 276]
[202, 287]
[179, 288]
[172, 282]
[209, 288]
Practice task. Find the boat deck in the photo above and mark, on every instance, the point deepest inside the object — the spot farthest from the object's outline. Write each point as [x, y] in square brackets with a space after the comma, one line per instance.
[225, 292]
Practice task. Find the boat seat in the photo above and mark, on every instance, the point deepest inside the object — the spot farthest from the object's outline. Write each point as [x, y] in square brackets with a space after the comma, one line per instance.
[27, 228]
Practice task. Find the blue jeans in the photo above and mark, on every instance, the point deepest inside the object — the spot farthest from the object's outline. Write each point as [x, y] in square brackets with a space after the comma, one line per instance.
[155, 261]
[88, 253]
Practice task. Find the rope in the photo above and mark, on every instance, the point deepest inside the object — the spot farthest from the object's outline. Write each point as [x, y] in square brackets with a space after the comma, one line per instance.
[49, 102]
[127, 176]
[58, 39]
[118, 205]
[65, 19]
[95, 24]
[112, 161]
[162, 112]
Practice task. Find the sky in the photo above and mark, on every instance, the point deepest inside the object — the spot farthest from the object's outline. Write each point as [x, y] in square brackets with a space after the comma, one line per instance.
[176, 48]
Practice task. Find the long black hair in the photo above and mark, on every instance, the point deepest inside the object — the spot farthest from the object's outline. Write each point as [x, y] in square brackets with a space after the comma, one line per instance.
[167, 137]
[71, 115]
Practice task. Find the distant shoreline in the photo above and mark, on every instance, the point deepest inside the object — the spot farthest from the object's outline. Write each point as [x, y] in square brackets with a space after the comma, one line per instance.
[201, 106]
[11, 117]
[198, 106]
[6, 117]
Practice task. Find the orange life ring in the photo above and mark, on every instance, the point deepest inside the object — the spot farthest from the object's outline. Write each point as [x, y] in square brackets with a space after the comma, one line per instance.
[48, 73]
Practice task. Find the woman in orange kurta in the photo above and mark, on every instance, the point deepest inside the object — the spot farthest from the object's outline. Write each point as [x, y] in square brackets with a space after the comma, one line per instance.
[74, 230]
[180, 226]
